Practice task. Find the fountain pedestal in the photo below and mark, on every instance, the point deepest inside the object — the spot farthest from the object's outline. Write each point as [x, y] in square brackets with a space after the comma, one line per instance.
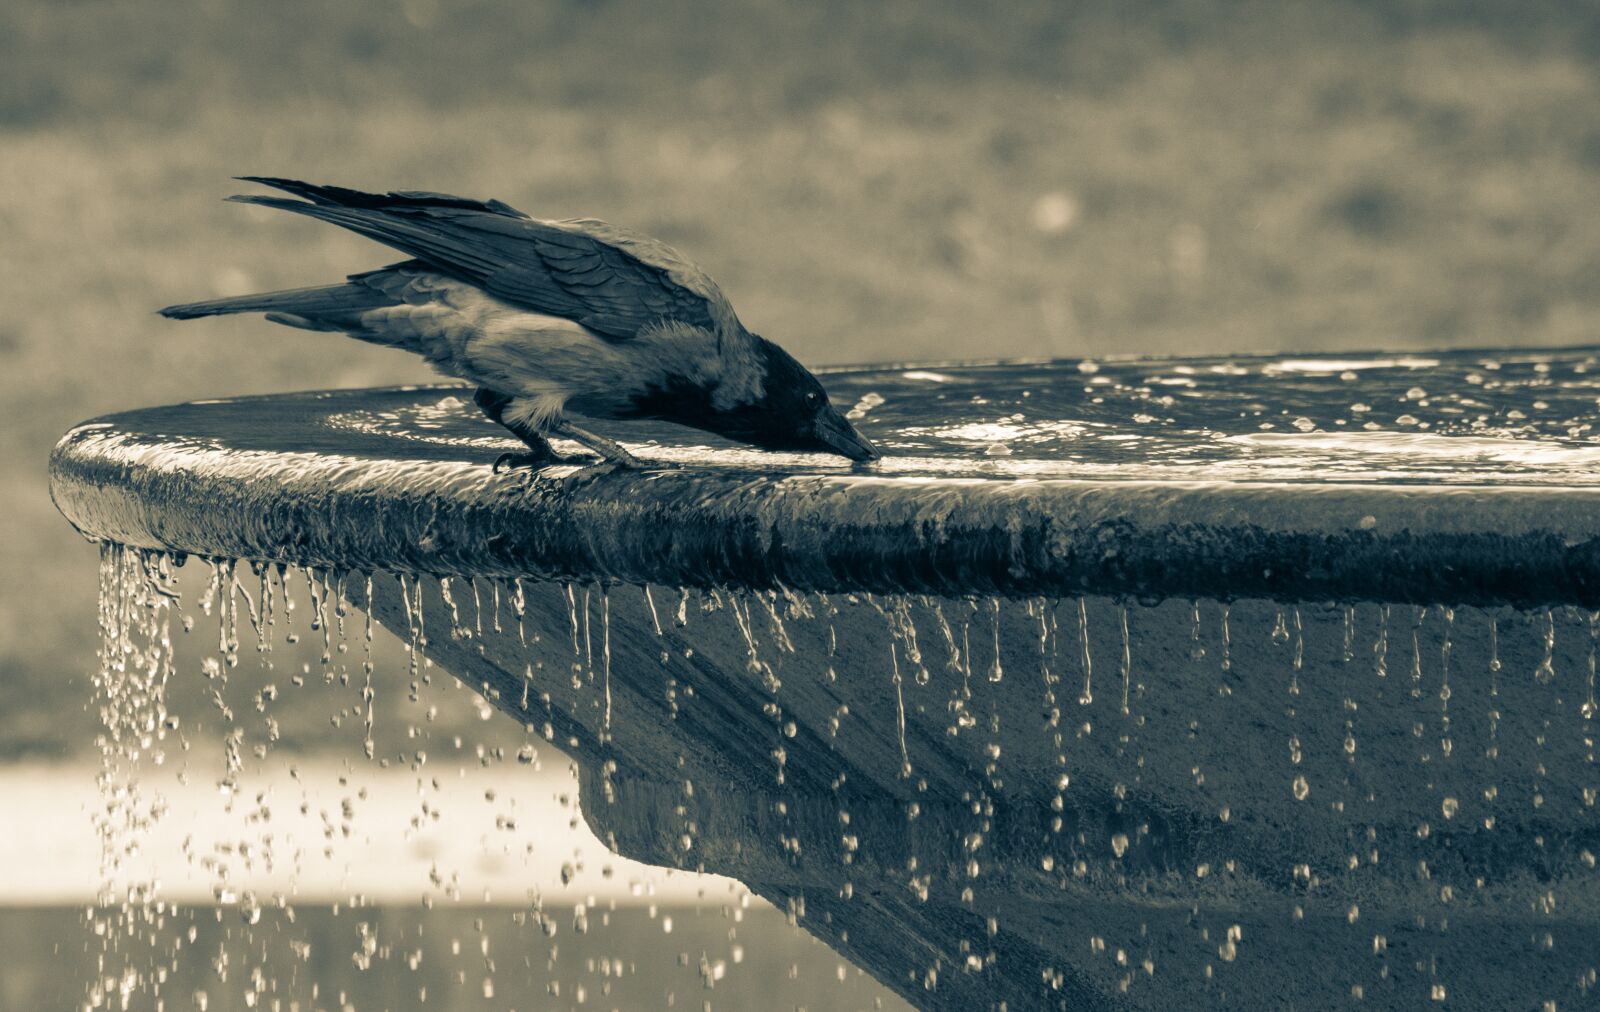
[1115, 685]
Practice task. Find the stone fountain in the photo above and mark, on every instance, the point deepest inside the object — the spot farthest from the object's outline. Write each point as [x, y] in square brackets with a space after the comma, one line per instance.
[1250, 683]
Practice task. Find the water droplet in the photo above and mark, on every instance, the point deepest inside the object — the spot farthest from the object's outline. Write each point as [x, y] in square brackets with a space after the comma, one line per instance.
[1087, 695]
[1546, 673]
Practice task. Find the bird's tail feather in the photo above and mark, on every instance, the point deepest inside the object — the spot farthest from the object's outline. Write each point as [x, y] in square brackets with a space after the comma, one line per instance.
[339, 196]
[325, 307]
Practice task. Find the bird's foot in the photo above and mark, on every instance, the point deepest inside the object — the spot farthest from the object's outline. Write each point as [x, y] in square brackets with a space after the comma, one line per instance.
[531, 461]
[621, 460]
[612, 465]
[611, 452]
[607, 465]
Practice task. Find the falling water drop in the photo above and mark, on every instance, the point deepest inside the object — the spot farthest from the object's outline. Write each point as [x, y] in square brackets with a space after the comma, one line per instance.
[1227, 640]
[1380, 648]
[1589, 707]
[1087, 696]
[230, 613]
[1492, 750]
[519, 607]
[367, 692]
[1349, 652]
[1494, 646]
[949, 637]
[1446, 745]
[1280, 629]
[265, 627]
[588, 637]
[257, 624]
[1546, 671]
[413, 633]
[605, 657]
[1299, 653]
[1299, 639]
[1418, 618]
[572, 621]
[650, 602]
[290, 636]
[317, 588]
[1048, 652]
[903, 625]
[780, 631]
[830, 675]
[1197, 650]
[899, 710]
[995, 672]
[341, 606]
[1127, 655]
[456, 630]
[477, 608]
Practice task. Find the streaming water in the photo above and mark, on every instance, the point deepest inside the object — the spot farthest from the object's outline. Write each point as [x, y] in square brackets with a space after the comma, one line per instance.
[1339, 790]
[136, 665]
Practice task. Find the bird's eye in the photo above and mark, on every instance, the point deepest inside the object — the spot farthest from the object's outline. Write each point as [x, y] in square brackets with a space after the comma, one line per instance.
[811, 397]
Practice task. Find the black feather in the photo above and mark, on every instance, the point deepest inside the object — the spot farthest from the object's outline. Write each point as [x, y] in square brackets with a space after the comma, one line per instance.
[324, 300]
[344, 197]
[521, 260]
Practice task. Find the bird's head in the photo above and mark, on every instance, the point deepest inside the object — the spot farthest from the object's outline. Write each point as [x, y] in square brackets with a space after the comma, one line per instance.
[788, 410]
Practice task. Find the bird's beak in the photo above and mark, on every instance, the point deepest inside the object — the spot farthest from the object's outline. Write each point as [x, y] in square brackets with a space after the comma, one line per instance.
[841, 437]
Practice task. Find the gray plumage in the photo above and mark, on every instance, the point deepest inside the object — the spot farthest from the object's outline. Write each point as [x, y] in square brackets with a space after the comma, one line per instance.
[548, 317]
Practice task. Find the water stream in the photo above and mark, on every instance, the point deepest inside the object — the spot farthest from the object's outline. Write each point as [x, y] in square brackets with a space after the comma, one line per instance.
[1415, 830]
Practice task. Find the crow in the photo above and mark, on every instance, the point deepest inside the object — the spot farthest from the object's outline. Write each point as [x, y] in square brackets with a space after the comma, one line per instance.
[552, 317]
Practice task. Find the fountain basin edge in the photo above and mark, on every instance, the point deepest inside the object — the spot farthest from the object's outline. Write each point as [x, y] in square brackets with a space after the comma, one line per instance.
[410, 508]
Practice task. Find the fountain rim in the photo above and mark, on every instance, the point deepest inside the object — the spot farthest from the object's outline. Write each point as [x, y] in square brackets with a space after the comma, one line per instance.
[1519, 545]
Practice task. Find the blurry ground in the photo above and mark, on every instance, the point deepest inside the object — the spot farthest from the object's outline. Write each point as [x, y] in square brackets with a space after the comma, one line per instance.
[457, 958]
[868, 182]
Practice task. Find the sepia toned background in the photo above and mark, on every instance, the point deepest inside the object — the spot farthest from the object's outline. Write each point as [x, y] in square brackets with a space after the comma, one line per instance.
[868, 182]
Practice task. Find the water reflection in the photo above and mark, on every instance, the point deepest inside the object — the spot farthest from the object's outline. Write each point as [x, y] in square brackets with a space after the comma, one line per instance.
[1489, 419]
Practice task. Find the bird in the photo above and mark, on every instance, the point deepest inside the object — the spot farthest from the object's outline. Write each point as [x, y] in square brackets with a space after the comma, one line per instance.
[550, 318]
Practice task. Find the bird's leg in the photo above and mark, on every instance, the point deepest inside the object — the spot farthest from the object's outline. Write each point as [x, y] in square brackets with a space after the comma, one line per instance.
[609, 449]
[493, 404]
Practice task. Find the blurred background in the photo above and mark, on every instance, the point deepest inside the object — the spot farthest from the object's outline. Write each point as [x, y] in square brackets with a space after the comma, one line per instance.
[868, 182]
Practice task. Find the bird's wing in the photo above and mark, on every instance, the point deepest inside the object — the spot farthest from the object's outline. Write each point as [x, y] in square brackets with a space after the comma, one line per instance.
[611, 281]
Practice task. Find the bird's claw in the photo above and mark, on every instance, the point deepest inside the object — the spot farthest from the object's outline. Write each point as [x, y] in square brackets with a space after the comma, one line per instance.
[508, 461]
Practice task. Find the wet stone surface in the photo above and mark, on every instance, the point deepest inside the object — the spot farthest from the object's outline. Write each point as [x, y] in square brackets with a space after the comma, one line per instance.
[1117, 685]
